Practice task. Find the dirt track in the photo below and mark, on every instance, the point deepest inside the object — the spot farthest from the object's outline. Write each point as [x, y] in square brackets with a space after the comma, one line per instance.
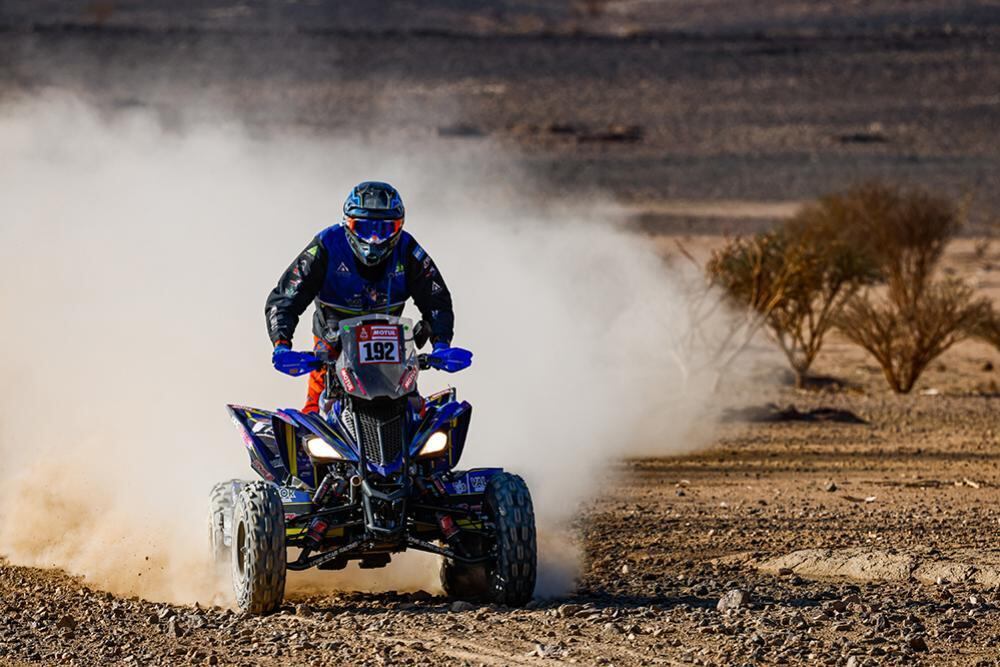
[919, 477]
[750, 113]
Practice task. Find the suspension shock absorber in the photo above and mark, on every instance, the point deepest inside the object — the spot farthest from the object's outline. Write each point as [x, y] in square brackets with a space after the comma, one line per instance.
[317, 530]
[450, 532]
[332, 486]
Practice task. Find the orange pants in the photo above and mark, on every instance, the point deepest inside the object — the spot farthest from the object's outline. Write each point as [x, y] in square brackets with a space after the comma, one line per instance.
[317, 379]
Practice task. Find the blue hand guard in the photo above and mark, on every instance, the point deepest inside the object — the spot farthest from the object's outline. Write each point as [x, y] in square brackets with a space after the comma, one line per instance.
[293, 363]
[449, 359]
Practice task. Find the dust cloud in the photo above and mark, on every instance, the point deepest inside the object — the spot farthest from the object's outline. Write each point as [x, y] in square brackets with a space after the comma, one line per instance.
[134, 263]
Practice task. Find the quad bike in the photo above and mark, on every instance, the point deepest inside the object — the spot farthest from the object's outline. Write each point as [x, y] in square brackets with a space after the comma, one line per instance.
[372, 475]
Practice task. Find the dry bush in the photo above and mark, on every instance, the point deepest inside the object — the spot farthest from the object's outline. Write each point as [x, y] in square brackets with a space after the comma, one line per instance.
[753, 277]
[827, 267]
[906, 231]
[714, 335]
[794, 280]
[906, 341]
[988, 329]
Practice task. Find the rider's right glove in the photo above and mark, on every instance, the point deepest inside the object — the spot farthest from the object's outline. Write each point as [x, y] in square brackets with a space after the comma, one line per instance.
[293, 363]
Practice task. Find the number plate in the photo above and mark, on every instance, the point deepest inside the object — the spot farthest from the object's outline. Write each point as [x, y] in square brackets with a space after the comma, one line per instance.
[379, 344]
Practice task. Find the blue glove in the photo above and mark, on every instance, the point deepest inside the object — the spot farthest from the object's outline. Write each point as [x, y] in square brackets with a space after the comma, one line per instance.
[293, 363]
[449, 359]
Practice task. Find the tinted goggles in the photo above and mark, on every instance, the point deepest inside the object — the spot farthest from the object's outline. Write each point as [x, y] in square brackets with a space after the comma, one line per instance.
[373, 231]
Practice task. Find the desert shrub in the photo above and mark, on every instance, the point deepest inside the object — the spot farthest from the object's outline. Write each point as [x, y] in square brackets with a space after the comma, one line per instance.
[829, 265]
[904, 341]
[906, 232]
[714, 335]
[794, 280]
[752, 276]
[988, 328]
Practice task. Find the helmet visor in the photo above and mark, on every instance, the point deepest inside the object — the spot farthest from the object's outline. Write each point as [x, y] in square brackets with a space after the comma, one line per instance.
[374, 231]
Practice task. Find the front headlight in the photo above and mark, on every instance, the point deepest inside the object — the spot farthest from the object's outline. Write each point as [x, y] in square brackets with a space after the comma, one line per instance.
[436, 444]
[321, 450]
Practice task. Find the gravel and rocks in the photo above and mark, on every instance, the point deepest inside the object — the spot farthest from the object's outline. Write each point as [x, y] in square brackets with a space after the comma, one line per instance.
[850, 528]
[706, 599]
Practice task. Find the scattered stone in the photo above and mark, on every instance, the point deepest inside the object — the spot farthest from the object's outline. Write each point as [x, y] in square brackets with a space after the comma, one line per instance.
[303, 610]
[734, 599]
[547, 650]
[568, 610]
[67, 622]
[173, 628]
[830, 487]
[917, 643]
[459, 606]
[839, 606]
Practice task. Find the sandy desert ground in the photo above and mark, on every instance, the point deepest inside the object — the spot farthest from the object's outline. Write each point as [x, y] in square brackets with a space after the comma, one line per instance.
[837, 525]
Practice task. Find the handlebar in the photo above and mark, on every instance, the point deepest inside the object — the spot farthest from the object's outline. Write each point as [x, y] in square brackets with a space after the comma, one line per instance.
[450, 360]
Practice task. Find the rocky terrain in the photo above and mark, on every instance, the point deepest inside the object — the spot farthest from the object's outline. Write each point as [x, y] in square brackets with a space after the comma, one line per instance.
[838, 525]
[680, 566]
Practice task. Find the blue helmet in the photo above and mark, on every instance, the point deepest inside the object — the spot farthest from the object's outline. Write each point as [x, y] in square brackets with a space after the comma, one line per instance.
[373, 216]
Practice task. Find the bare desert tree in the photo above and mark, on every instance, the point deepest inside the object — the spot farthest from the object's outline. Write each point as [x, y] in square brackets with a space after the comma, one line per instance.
[827, 266]
[793, 281]
[988, 329]
[918, 318]
[906, 341]
[748, 277]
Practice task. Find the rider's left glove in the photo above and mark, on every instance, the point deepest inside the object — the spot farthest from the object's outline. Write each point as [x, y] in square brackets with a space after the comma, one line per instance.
[449, 359]
[293, 363]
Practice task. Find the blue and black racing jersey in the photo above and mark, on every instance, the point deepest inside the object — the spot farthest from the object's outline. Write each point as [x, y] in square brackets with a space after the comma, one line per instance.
[328, 273]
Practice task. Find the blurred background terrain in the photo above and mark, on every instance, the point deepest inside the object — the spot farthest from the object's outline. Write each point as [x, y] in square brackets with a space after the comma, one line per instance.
[729, 110]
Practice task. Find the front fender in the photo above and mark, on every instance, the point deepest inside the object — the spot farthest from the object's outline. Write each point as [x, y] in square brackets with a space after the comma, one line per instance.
[454, 418]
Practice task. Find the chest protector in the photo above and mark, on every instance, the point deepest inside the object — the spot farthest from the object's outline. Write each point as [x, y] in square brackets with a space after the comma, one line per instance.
[345, 293]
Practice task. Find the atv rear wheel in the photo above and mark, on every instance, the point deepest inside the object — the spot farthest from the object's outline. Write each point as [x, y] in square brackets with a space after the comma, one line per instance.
[513, 573]
[258, 549]
[220, 515]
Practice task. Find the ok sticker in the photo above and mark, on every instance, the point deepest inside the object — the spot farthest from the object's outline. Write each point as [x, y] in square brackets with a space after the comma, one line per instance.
[379, 344]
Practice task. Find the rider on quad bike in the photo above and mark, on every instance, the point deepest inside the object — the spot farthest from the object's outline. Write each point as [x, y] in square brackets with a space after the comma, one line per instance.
[365, 265]
[370, 468]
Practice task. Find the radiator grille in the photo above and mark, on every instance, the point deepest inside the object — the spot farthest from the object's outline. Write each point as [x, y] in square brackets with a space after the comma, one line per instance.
[382, 429]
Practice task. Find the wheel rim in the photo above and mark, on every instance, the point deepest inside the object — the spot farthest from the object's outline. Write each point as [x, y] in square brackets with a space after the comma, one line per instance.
[241, 548]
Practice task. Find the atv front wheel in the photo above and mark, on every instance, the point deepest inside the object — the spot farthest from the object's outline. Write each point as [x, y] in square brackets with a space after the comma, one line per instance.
[512, 576]
[258, 549]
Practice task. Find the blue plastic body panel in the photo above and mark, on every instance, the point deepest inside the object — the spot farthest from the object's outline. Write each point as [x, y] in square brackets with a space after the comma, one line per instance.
[276, 442]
